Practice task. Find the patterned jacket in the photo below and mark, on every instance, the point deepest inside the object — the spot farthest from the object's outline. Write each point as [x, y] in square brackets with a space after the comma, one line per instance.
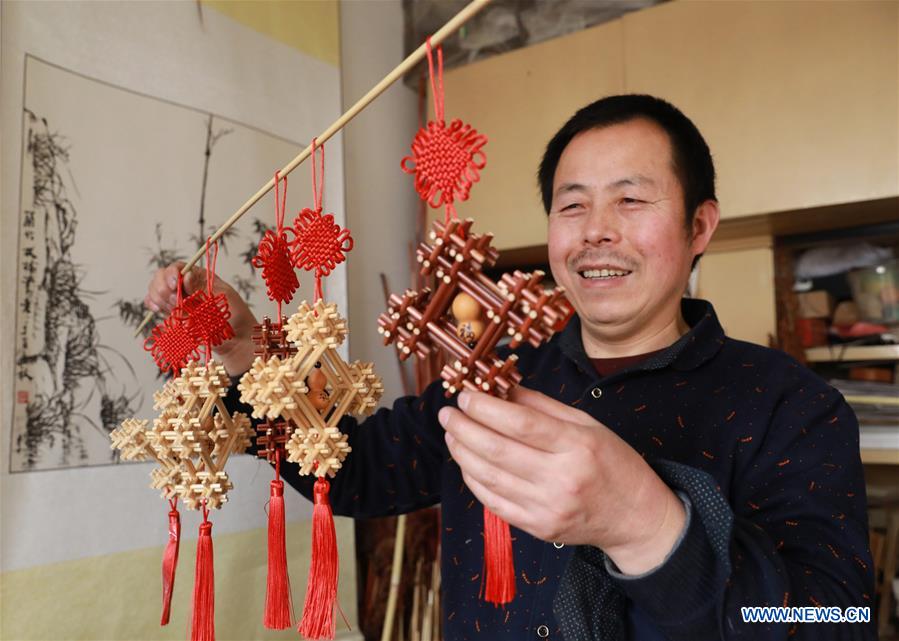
[763, 453]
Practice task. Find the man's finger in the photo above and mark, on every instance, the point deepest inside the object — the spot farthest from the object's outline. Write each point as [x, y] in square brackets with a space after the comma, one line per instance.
[509, 511]
[171, 275]
[149, 304]
[524, 424]
[497, 451]
[195, 280]
[550, 406]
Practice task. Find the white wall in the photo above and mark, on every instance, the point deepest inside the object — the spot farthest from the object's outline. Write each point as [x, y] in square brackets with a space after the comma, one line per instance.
[381, 200]
[163, 50]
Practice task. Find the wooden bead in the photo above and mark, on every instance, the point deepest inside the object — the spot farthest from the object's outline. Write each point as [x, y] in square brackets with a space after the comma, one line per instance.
[316, 380]
[470, 331]
[465, 308]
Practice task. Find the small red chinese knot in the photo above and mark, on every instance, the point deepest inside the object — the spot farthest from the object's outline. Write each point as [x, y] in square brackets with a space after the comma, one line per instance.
[207, 318]
[320, 243]
[171, 344]
[446, 161]
[273, 258]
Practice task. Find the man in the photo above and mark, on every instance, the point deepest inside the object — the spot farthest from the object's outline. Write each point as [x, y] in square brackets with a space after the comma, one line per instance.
[657, 474]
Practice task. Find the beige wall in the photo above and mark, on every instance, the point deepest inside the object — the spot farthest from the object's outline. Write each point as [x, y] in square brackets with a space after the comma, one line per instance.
[117, 596]
[740, 284]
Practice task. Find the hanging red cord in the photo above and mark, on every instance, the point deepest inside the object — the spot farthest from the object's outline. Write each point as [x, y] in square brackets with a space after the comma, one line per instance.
[171, 344]
[170, 560]
[203, 619]
[273, 256]
[320, 244]
[278, 613]
[318, 620]
[446, 161]
[208, 313]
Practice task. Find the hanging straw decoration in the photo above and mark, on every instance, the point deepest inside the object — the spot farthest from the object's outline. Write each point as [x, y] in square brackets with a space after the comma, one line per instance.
[191, 439]
[466, 314]
[270, 340]
[301, 388]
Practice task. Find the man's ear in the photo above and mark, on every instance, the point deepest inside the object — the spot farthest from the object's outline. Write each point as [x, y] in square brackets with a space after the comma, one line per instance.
[705, 222]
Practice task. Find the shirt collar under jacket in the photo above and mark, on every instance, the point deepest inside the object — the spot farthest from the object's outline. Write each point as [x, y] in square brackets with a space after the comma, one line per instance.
[701, 343]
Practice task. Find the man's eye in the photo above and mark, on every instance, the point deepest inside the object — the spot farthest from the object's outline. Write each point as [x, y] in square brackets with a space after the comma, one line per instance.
[571, 206]
[632, 201]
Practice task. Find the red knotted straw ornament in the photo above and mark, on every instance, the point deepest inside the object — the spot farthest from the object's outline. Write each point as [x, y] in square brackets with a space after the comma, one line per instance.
[320, 243]
[446, 161]
[273, 256]
[171, 344]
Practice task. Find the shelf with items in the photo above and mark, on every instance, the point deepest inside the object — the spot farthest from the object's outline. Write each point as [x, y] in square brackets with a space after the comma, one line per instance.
[845, 353]
[825, 323]
[877, 456]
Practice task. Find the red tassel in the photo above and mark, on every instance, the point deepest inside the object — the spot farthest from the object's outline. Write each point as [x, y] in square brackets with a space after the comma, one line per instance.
[321, 592]
[499, 568]
[170, 561]
[278, 606]
[203, 624]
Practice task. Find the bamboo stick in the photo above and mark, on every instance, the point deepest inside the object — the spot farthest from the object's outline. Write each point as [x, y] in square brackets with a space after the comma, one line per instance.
[413, 59]
[396, 572]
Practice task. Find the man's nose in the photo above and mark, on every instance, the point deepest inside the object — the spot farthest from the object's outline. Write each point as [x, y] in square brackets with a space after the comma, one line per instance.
[602, 225]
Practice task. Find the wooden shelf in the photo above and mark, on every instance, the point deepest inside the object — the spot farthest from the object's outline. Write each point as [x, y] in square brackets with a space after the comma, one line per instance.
[879, 457]
[840, 353]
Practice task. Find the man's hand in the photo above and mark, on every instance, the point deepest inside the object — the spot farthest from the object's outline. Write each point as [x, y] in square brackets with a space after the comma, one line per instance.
[235, 354]
[555, 472]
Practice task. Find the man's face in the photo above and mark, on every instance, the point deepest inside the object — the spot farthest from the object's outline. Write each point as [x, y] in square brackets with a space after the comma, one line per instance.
[617, 236]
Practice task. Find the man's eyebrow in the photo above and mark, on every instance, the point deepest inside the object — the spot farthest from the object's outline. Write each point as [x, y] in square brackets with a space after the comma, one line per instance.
[631, 181]
[565, 188]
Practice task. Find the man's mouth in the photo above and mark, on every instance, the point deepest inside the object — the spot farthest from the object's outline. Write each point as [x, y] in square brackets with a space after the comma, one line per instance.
[603, 274]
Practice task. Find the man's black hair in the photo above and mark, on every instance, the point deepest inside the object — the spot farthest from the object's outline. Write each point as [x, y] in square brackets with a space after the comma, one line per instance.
[692, 160]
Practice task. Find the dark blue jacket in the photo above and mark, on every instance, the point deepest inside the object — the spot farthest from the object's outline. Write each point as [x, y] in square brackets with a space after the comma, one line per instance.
[763, 452]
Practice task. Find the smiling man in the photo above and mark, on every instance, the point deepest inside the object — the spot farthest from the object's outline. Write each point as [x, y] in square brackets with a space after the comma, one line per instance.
[658, 475]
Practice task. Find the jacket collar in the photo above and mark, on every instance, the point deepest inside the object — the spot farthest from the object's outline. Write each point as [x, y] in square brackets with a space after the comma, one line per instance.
[701, 343]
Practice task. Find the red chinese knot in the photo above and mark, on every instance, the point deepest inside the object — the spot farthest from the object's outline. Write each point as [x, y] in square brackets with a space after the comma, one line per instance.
[207, 318]
[320, 244]
[273, 258]
[446, 161]
[273, 255]
[171, 344]
[208, 313]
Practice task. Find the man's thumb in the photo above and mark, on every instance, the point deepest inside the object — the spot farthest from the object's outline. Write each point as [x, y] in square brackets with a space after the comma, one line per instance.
[195, 279]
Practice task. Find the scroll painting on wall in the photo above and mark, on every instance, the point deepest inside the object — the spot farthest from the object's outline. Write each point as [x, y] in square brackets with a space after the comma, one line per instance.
[114, 185]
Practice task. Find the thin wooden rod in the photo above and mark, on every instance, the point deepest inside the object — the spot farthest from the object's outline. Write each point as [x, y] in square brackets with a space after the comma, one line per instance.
[396, 575]
[413, 59]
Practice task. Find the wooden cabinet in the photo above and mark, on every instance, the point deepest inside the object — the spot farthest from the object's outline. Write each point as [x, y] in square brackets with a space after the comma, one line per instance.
[799, 102]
